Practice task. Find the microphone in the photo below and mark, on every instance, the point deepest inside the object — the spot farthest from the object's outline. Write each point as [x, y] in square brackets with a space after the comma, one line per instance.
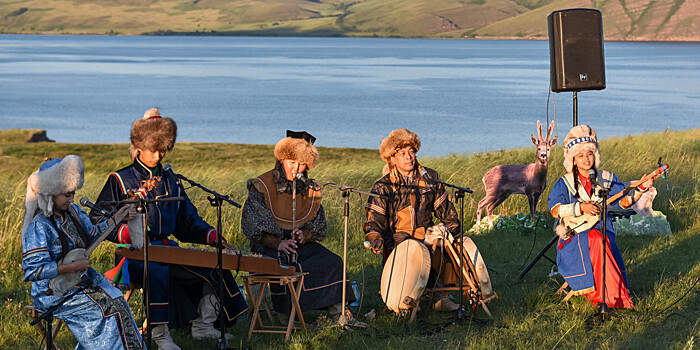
[427, 177]
[86, 203]
[302, 178]
[169, 169]
[592, 176]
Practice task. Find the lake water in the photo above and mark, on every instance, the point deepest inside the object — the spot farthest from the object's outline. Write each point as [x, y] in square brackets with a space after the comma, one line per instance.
[458, 95]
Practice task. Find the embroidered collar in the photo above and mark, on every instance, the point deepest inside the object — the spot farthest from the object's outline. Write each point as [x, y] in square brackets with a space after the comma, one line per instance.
[146, 171]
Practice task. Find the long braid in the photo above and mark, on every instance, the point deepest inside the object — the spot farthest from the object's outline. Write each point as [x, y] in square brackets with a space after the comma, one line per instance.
[576, 181]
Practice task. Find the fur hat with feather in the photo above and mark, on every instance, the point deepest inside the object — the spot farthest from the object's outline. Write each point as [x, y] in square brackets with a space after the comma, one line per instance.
[298, 146]
[55, 176]
[152, 133]
[581, 138]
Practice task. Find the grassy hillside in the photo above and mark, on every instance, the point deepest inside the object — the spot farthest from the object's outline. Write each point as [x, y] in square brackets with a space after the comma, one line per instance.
[623, 19]
[527, 315]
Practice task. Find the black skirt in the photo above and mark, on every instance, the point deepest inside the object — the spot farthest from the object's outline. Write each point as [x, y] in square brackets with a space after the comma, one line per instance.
[323, 286]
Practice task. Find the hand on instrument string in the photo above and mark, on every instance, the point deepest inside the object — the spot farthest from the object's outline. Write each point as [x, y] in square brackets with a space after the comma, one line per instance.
[77, 266]
[228, 246]
[646, 185]
[590, 208]
[377, 246]
[287, 246]
[127, 208]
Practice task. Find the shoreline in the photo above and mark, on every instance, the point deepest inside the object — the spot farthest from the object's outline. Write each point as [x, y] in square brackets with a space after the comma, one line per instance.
[368, 36]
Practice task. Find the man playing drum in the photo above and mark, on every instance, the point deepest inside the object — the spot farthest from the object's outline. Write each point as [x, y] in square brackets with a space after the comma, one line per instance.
[408, 215]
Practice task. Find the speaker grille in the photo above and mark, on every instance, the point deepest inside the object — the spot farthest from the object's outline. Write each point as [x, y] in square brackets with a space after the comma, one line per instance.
[576, 50]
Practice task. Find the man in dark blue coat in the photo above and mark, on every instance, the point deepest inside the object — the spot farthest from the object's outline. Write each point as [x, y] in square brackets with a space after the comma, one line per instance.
[178, 294]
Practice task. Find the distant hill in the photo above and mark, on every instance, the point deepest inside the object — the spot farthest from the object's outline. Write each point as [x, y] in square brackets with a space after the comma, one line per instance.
[650, 20]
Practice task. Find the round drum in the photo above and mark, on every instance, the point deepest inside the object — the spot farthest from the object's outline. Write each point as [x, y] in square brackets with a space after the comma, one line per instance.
[481, 272]
[405, 276]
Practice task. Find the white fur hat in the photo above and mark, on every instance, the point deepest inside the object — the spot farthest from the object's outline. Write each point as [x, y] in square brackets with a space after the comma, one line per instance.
[581, 138]
[54, 177]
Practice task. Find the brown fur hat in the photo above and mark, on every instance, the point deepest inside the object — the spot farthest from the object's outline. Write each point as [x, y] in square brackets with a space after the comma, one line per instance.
[152, 133]
[299, 147]
[397, 139]
[581, 138]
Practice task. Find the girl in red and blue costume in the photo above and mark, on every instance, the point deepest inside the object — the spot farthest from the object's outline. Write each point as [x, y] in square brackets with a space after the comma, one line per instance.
[580, 256]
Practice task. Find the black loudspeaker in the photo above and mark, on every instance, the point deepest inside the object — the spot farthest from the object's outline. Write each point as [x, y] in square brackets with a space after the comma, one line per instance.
[576, 50]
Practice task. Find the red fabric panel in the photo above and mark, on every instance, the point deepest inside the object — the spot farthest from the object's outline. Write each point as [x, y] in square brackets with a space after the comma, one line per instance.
[615, 287]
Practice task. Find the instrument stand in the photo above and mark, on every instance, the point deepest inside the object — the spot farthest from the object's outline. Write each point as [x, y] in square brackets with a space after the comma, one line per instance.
[542, 254]
[461, 312]
[47, 316]
[216, 200]
[603, 309]
[142, 208]
[346, 318]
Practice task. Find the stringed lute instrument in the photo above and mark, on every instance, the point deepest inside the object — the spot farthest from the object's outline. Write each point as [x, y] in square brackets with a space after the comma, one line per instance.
[64, 282]
[578, 224]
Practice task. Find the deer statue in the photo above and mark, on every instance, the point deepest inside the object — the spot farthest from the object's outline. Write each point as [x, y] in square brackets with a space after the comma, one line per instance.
[529, 179]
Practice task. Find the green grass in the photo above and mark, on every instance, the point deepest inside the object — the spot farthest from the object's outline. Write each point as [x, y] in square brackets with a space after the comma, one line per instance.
[527, 314]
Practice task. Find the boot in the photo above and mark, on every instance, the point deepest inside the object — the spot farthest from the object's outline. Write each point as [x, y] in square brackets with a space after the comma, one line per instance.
[284, 320]
[203, 326]
[335, 311]
[445, 304]
[161, 335]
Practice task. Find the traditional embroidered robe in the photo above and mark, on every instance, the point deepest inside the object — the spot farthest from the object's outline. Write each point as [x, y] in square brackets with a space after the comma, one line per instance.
[409, 214]
[574, 255]
[175, 290]
[267, 215]
[99, 317]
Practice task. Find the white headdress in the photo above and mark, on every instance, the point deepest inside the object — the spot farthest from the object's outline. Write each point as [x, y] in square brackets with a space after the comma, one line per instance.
[54, 177]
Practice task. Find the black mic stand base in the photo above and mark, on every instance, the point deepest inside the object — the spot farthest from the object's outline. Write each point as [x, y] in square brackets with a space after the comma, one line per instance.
[603, 313]
[461, 313]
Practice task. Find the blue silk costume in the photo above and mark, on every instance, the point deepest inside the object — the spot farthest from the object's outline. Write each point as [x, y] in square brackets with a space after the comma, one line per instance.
[573, 258]
[173, 298]
[99, 317]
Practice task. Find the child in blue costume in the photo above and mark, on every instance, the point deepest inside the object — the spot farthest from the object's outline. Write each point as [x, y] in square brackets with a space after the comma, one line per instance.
[99, 316]
[579, 256]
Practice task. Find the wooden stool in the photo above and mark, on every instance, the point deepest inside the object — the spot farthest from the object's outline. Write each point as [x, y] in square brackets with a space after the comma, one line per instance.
[56, 327]
[293, 282]
[562, 289]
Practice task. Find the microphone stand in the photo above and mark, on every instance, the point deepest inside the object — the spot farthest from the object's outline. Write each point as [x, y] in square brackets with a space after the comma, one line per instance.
[603, 308]
[47, 316]
[346, 190]
[459, 195]
[216, 200]
[142, 208]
